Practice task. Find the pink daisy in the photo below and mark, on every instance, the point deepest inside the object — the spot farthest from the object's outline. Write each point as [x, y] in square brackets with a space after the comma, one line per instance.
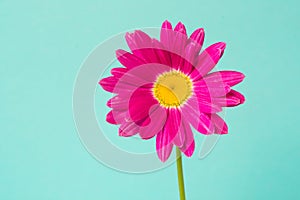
[166, 87]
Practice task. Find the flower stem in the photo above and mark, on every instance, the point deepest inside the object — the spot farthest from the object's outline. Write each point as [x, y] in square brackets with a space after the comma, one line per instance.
[180, 174]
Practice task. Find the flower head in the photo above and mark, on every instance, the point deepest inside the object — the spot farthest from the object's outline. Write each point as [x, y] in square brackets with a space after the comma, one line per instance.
[166, 86]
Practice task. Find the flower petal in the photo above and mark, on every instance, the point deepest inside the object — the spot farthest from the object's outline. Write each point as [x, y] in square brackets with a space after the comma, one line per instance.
[128, 129]
[207, 104]
[141, 45]
[230, 78]
[219, 124]
[165, 137]
[118, 72]
[138, 40]
[189, 143]
[187, 61]
[180, 37]
[163, 146]
[158, 116]
[173, 122]
[192, 50]
[116, 117]
[140, 103]
[180, 136]
[166, 36]
[110, 118]
[142, 76]
[189, 150]
[118, 103]
[119, 86]
[211, 87]
[233, 98]
[128, 60]
[199, 120]
[161, 53]
[108, 83]
[178, 45]
[205, 125]
[208, 59]
[237, 95]
[197, 37]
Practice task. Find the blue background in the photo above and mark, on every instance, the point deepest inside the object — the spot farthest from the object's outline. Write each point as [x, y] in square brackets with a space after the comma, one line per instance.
[42, 45]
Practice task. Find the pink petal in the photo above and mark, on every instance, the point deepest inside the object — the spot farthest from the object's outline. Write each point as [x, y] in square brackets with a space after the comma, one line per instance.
[205, 126]
[189, 150]
[180, 28]
[179, 42]
[143, 76]
[216, 51]
[163, 146]
[207, 104]
[128, 129]
[122, 87]
[180, 137]
[230, 78]
[197, 37]
[161, 53]
[116, 117]
[118, 72]
[175, 42]
[188, 60]
[233, 98]
[118, 103]
[138, 40]
[110, 118]
[158, 116]
[108, 83]
[189, 143]
[137, 77]
[206, 92]
[166, 136]
[140, 103]
[210, 87]
[128, 60]
[236, 94]
[141, 45]
[173, 122]
[199, 120]
[227, 101]
[191, 52]
[166, 36]
[220, 125]
[180, 37]
[207, 60]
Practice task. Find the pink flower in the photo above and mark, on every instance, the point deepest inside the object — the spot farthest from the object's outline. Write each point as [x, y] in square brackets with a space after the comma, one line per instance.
[166, 86]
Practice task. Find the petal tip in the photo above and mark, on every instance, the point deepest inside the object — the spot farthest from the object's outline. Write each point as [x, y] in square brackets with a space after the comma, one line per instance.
[190, 150]
[120, 52]
[166, 25]
[243, 76]
[221, 45]
[198, 36]
[102, 82]
[110, 118]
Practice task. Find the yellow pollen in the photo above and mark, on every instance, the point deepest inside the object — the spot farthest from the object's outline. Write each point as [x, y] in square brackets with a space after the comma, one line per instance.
[172, 89]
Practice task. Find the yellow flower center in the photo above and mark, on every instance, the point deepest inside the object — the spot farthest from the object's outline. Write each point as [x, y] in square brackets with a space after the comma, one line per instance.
[172, 88]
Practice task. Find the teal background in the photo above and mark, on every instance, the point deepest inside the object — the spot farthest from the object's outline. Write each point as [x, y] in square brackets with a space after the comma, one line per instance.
[42, 45]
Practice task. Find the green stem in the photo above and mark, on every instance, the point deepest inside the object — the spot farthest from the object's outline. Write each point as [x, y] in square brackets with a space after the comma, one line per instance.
[180, 174]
